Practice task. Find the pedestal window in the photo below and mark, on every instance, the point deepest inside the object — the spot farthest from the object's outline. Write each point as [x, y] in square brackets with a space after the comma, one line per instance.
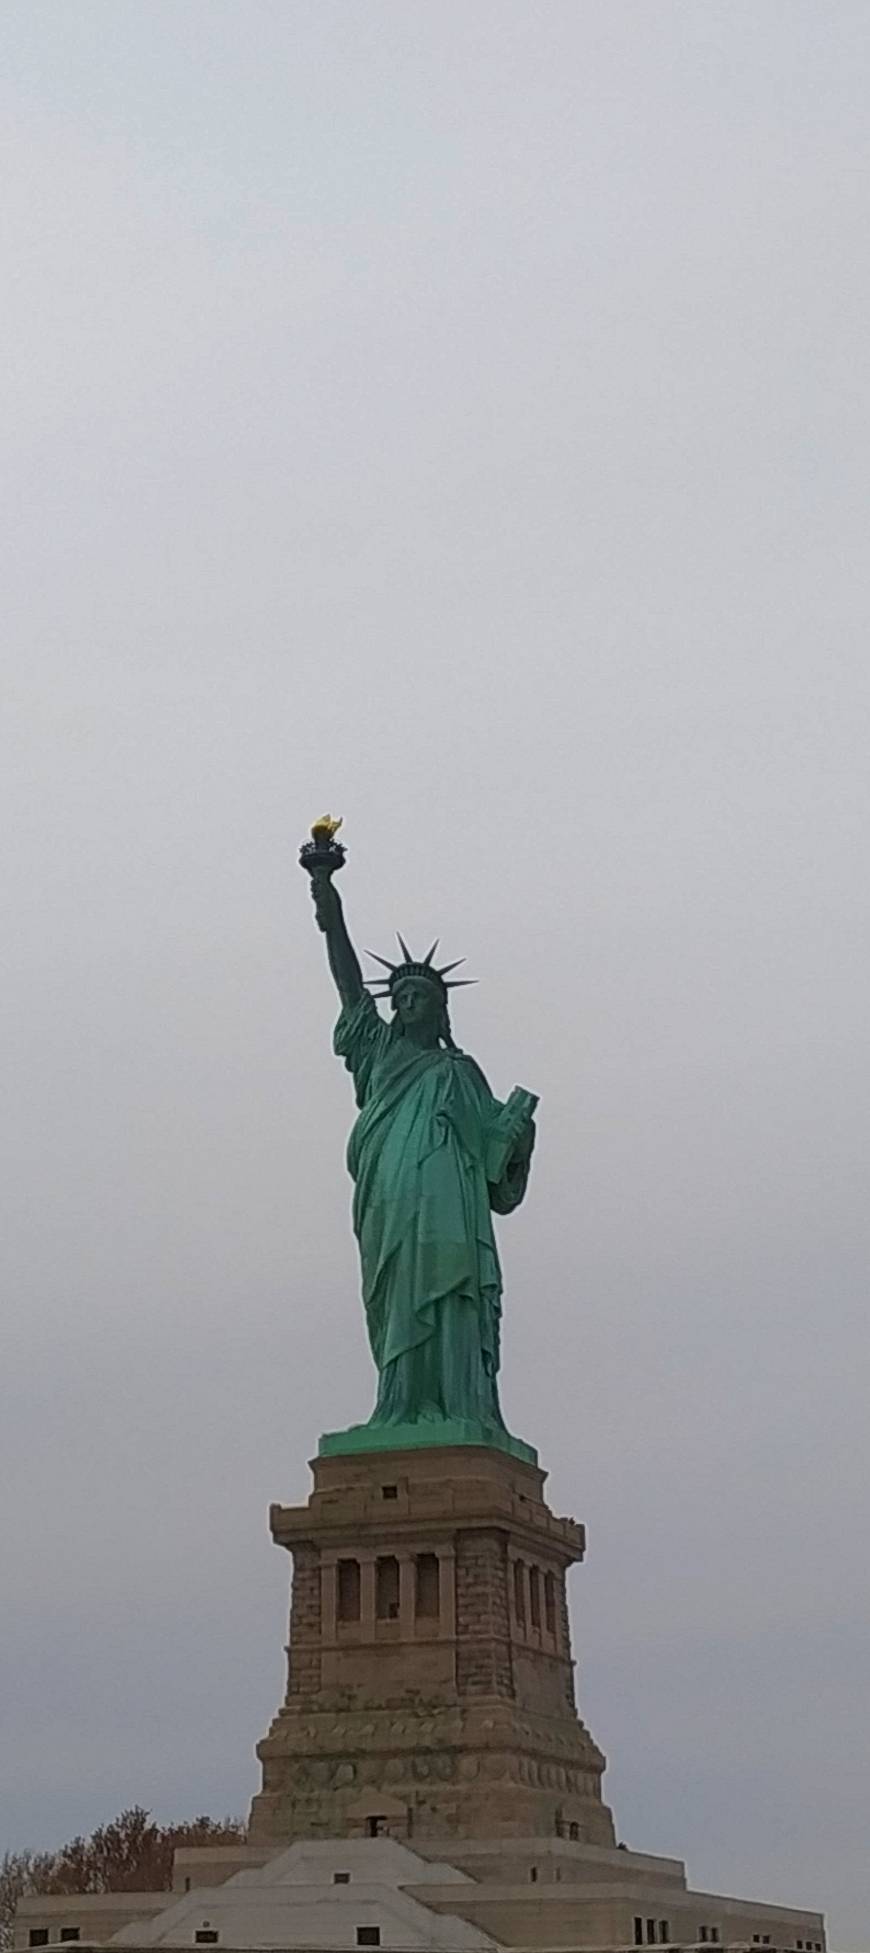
[348, 1591]
[535, 1597]
[387, 1588]
[427, 1593]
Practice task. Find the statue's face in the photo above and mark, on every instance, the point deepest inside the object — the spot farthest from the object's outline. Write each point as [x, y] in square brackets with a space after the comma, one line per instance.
[417, 1005]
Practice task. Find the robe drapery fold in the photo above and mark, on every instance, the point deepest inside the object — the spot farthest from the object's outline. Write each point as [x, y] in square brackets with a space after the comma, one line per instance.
[432, 1153]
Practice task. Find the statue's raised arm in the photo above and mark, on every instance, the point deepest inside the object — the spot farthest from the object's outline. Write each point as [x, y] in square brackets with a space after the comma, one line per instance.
[322, 856]
[433, 1154]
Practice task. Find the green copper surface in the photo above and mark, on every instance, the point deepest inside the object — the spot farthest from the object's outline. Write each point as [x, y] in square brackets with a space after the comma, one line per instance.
[433, 1155]
[410, 1437]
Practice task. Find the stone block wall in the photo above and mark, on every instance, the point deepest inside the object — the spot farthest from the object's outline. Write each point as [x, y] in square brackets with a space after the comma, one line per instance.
[483, 1643]
[430, 1678]
[305, 1650]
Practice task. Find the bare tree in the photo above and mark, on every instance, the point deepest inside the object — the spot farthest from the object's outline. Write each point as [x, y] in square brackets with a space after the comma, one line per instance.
[20, 1872]
[130, 1854]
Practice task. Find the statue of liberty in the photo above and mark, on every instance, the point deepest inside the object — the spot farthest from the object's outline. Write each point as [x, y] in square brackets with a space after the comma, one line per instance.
[433, 1154]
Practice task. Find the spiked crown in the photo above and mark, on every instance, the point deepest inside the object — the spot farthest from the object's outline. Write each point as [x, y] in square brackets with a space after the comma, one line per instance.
[386, 985]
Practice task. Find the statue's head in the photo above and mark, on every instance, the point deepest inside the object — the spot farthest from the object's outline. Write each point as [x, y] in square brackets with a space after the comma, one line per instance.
[418, 993]
[419, 1005]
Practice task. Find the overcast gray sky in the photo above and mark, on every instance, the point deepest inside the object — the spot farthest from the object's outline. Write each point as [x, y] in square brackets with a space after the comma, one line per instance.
[455, 415]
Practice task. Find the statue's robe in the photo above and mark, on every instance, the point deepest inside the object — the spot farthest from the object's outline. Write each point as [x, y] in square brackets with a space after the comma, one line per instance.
[432, 1154]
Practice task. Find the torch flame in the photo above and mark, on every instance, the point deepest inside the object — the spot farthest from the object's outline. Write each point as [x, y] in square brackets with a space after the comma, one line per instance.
[326, 828]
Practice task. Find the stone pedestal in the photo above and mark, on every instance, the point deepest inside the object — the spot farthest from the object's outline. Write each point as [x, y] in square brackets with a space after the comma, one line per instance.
[430, 1689]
